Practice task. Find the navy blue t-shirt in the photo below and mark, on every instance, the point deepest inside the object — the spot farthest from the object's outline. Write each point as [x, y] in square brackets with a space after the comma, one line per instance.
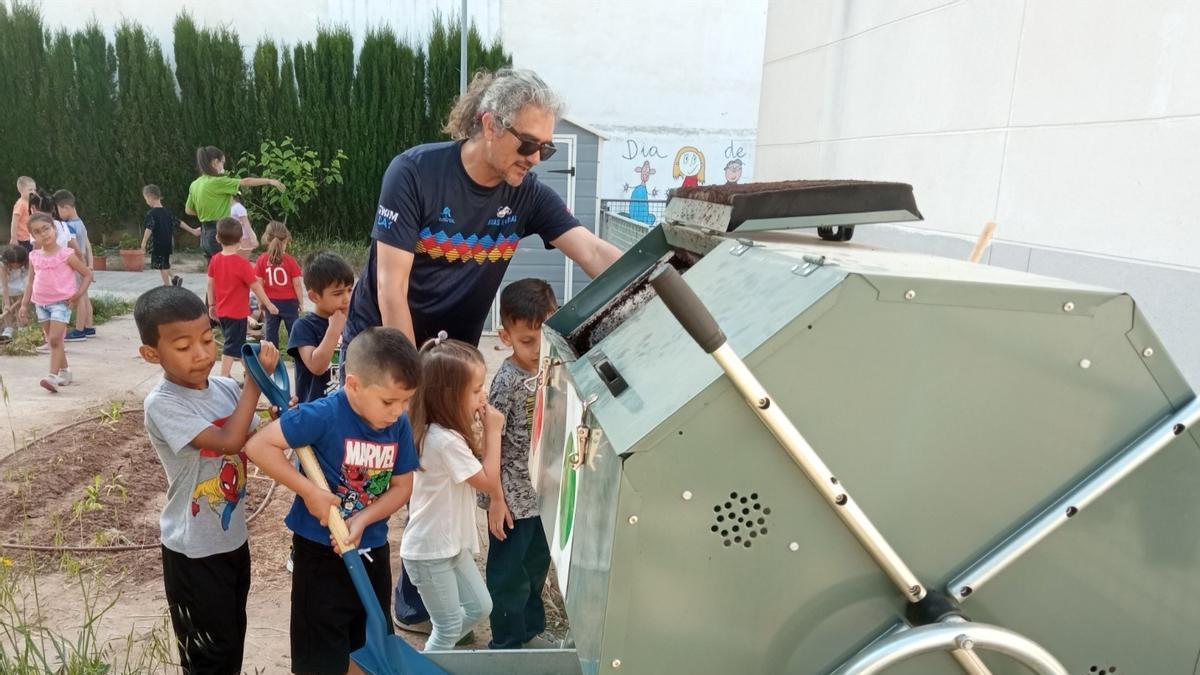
[462, 236]
[358, 461]
[308, 331]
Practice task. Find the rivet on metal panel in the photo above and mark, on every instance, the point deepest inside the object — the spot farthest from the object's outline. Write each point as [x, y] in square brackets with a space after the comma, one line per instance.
[964, 641]
[687, 495]
[1085, 364]
[1069, 307]
[743, 245]
[633, 520]
[793, 547]
[616, 663]
[910, 294]
[1148, 352]
[764, 403]
[966, 591]
[811, 263]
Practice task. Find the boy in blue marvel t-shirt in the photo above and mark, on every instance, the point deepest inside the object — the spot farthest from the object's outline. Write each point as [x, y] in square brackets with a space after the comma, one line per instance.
[363, 442]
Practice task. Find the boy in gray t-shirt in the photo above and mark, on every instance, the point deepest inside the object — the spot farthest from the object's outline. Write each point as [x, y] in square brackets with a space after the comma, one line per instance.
[198, 424]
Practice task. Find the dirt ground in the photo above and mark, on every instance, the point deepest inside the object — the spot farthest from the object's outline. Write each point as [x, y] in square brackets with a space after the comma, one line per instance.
[97, 483]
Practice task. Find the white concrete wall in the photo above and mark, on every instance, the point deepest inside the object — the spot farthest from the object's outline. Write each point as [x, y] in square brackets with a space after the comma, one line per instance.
[662, 74]
[1073, 124]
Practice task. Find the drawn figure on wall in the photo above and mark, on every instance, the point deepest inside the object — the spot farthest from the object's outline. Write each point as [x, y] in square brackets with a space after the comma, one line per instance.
[733, 171]
[689, 165]
[639, 207]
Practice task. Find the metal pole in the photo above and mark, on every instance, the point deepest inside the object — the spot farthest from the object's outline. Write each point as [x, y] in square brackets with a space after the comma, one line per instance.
[462, 51]
[938, 637]
[1075, 500]
[817, 472]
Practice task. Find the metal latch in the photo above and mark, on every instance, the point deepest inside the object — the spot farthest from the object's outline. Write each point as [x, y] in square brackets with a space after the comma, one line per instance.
[586, 438]
[811, 264]
[549, 363]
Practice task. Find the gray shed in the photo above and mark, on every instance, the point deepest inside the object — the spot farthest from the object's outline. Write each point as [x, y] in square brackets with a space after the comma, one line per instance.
[573, 172]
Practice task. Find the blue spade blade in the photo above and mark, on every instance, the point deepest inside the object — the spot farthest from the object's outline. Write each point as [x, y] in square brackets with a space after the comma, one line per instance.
[275, 386]
[383, 653]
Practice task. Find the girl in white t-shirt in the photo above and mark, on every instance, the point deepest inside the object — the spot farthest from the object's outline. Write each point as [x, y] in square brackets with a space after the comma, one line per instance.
[440, 538]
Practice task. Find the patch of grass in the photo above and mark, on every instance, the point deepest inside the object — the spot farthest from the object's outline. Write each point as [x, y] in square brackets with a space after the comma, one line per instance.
[26, 338]
[28, 647]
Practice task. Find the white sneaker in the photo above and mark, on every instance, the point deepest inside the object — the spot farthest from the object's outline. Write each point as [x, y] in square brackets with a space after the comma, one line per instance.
[64, 377]
[50, 383]
[7, 333]
[43, 348]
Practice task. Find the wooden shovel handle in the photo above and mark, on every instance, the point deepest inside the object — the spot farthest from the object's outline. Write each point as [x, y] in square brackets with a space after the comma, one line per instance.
[312, 469]
[981, 244]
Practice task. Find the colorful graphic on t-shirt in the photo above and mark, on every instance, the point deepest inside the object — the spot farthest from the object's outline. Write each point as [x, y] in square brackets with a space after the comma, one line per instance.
[457, 248]
[222, 492]
[366, 473]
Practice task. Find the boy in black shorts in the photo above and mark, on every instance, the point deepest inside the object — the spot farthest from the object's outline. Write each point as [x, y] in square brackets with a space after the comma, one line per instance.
[197, 424]
[160, 224]
[231, 278]
[363, 441]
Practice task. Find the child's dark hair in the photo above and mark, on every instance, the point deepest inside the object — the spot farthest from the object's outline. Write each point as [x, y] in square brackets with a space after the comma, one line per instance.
[527, 301]
[383, 351]
[63, 198]
[164, 304]
[205, 156]
[323, 269]
[152, 190]
[14, 255]
[447, 367]
[229, 231]
[42, 201]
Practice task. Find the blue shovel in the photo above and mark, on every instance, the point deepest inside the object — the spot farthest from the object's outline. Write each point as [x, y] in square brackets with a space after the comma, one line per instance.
[383, 654]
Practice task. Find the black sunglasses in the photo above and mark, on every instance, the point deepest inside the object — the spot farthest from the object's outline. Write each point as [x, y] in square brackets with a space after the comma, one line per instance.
[529, 144]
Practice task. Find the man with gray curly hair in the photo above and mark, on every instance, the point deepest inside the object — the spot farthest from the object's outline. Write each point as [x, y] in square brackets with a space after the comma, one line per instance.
[451, 214]
[450, 217]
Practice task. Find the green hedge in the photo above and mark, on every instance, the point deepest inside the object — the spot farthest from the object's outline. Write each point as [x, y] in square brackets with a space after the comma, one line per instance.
[102, 115]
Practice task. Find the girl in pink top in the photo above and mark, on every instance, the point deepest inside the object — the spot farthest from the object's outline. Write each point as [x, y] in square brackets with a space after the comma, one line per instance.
[51, 286]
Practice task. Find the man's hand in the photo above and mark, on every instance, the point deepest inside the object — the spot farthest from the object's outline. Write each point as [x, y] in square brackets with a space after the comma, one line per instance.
[498, 517]
[318, 502]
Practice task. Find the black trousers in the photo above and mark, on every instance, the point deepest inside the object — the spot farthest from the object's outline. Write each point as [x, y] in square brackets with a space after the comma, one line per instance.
[516, 574]
[328, 619]
[207, 600]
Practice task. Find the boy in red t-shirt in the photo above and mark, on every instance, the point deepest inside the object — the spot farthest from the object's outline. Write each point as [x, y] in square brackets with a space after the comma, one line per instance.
[281, 276]
[230, 281]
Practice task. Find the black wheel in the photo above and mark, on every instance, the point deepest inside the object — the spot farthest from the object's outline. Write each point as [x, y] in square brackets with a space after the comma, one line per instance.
[838, 233]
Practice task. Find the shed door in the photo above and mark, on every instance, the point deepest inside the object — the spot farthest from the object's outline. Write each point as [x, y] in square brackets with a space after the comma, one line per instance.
[532, 258]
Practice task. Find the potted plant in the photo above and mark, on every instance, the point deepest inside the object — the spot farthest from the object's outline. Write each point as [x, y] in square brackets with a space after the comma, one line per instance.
[99, 259]
[133, 256]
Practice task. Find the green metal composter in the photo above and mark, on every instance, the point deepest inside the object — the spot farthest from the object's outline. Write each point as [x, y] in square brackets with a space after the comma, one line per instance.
[923, 465]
